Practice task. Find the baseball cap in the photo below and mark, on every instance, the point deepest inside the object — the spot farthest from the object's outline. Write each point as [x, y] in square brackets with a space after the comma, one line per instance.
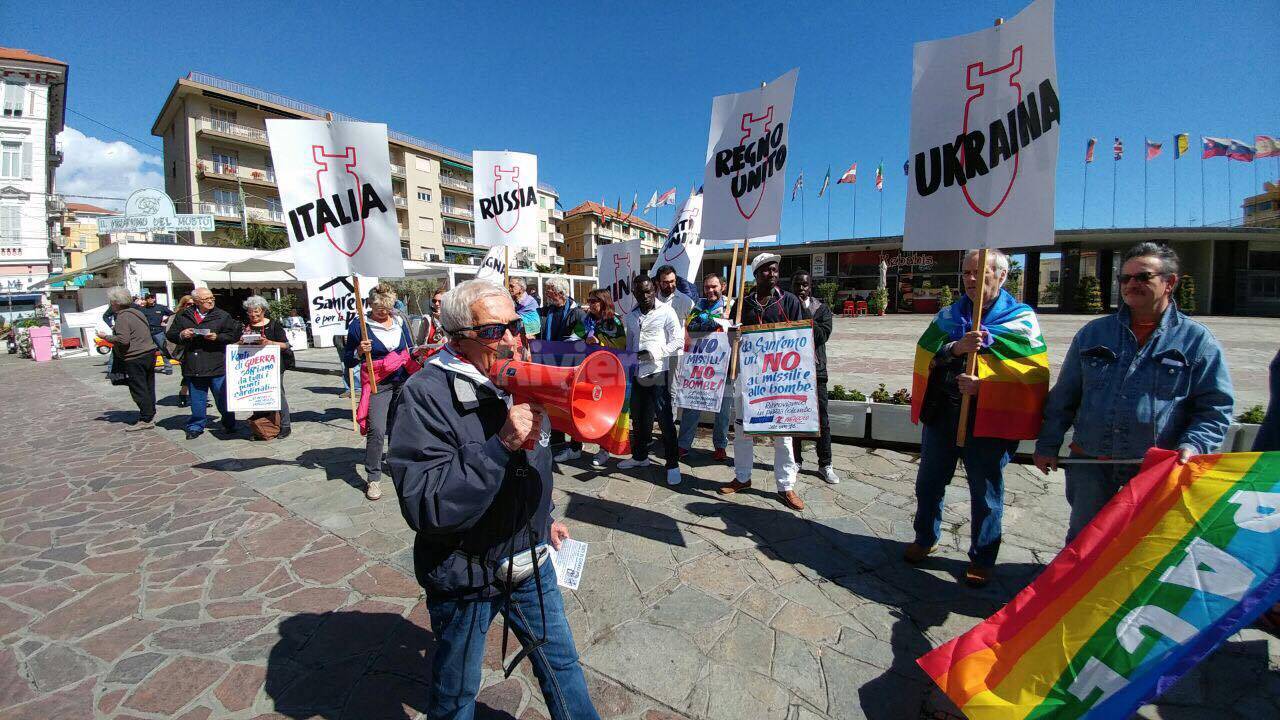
[764, 259]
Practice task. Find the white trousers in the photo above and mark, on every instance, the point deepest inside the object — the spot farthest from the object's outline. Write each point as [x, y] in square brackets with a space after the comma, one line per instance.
[784, 460]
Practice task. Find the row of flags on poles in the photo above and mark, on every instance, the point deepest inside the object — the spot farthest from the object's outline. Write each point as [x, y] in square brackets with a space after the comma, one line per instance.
[849, 177]
[656, 200]
[1263, 146]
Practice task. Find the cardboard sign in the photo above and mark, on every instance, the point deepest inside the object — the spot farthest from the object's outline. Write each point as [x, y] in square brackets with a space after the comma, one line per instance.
[333, 306]
[494, 266]
[984, 137]
[777, 379]
[335, 185]
[702, 372]
[683, 247]
[506, 198]
[253, 378]
[747, 161]
[619, 263]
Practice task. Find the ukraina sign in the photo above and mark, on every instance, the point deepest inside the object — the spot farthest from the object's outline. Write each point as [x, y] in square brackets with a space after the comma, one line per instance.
[618, 264]
[506, 198]
[335, 185]
[683, 247]
[984, 137]
[746, 162]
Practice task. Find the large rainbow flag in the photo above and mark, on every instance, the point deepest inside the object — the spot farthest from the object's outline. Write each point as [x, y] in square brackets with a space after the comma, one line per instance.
[1014, 367]
[1180, 559]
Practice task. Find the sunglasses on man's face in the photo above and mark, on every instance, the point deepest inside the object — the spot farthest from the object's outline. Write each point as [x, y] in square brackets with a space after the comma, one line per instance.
[496, 331]
[1142, 277]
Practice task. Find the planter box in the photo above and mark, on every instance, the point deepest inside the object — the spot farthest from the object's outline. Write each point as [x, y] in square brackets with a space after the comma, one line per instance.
[892, 423]
[1239, 438]
[848, 419]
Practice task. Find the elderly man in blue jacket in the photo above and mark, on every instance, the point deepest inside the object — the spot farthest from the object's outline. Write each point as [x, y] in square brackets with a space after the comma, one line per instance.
[480, 501]
[1145, 377]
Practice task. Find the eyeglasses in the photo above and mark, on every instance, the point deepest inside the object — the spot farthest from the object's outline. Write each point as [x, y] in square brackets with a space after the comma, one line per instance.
[1142, 277]
[495, 331]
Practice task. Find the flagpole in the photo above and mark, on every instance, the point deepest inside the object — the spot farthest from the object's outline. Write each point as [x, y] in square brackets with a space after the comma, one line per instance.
[1115, 166]
[1255, 175]
[1202, 206]
[1145, 162]
[1084, 194]
[855, 207]
[880, 170]
[1175, 182]
[803, 235]
[1230, 199]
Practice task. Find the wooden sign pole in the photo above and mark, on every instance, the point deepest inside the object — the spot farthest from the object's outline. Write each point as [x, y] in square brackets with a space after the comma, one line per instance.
[737, 310]
[364, 333]
[971, 365]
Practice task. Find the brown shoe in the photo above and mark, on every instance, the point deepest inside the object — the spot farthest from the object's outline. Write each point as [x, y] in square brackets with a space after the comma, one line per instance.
[733, 487]
[976, 577]
[791, 499]
[916, 553]
[720, 455]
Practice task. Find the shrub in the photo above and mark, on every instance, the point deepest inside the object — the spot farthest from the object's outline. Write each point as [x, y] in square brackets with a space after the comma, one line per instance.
[1089, 296]
[901, 397]
[278, 310]
[1185, 294]
[879, 301]
[827, 291]
[1253, 415]
[840, 393]
[880, 395]
[945, 297]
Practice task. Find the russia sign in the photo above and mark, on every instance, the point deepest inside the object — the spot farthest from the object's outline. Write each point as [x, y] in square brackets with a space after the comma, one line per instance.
[506, 198]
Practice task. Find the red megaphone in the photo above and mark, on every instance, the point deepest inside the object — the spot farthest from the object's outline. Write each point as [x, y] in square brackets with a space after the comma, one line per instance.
[583, 402]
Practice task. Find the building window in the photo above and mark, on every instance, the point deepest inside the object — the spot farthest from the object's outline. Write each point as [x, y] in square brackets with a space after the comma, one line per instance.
[227, 201]
[426, 224]
[544, 226]
[422, 164]
[222, 119]
[225, 162]
[15, 159]
[424, 194]
[10, 226]
[15, 98]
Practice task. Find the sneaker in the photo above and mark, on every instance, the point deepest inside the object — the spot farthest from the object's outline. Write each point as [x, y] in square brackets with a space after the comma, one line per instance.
[567, 455]
[140, 426]
[829, 474]
[673, 476]
[372, 490]
[193, 434]
[791, 499]
[633, 463]
[182, 401]
[600, 460]
[720, 455]
[916, 553]
[733, 487]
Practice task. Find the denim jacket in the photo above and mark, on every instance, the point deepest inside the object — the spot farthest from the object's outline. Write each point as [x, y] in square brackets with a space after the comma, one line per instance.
[1123, 399]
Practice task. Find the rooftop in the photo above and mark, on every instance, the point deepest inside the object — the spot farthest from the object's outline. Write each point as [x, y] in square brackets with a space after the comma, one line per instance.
[27, 55]
[89, 209]
[609, 213]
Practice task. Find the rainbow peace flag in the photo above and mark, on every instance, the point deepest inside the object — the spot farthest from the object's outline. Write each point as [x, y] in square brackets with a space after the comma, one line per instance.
[1178, 561]
[1014, 368]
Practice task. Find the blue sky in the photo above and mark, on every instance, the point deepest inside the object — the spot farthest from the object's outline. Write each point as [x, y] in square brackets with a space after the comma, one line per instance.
[616, 98]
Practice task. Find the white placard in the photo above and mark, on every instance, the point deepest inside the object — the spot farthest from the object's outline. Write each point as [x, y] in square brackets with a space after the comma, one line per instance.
[335, 185]
[619, 263]
[747, 161]
[568, 562]
[333, 306]
[253, 378]
[683, 247]
[506, 198]
[777, 380]
[818, 265]
[984, 137]
[494, 266]
[701, 374]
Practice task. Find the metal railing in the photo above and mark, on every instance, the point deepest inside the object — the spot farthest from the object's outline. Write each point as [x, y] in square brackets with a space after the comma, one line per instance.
[235, 170]
[455, 183]
[265, 214]
[225, 127]
[556, 237]
[218, 209]
[458, 210]
[397, 170]
[401, 201]
[556, 214]
[453, 239]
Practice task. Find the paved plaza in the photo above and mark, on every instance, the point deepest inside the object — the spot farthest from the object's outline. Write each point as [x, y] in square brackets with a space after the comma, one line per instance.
[145, 576]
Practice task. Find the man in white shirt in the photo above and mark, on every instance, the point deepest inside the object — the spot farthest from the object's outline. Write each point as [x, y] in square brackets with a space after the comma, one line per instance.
[669, 292]
[654, 333]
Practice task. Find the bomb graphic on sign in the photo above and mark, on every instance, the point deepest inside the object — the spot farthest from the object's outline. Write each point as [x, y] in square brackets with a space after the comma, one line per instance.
[337, 178]
[681, 234]
[505, 179]
[992, 91]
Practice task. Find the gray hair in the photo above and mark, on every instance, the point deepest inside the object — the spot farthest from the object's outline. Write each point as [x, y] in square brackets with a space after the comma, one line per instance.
[119, 296]
[559, 285]
[517, 281]
[1168, 258]
[994, 255]
[455, 306]
[256, 302]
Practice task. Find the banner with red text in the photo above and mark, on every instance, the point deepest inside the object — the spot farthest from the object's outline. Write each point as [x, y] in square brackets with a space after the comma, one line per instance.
[777, 380]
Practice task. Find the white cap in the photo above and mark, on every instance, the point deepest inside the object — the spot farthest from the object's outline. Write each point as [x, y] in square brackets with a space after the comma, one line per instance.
[764, 259]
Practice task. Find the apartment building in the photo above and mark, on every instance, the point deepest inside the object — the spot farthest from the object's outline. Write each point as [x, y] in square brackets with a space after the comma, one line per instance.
[216, 153]
[590, 225]
[33, 95]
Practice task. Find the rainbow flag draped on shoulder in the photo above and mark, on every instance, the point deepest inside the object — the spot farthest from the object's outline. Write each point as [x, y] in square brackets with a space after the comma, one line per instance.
[1179, 560]
[1014, 367]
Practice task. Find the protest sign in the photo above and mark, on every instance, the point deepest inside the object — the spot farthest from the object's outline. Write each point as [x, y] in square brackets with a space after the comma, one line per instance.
[619, 263]
[683, 247]
[777, 379]
[747, 161]
[701, 374]
[335, 185]
[333, 306]
[984, 137]
[253, 378]
[506, 198]
[494, 266]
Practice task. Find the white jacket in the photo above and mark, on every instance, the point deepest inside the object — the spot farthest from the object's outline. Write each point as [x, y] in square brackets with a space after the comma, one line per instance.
[659, 332]
[679, 302]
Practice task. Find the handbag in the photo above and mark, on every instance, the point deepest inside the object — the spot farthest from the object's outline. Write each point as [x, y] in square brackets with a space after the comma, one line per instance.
[265, 425]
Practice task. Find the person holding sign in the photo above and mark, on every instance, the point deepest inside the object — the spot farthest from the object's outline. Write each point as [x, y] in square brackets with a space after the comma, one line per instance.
[1147, 376]
[204, 331]
[707, 316]
[390, 347]
[262, 330]
[653, 332]
[476, 487]
[820, 314]
[1011, 381]
[766, 304]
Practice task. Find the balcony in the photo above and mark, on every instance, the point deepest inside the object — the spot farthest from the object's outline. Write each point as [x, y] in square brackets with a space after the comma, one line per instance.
[556, 214]
[454, 239]
[231, 131]
[456, 211]
[401, 202]
[556, 237]
[232, 172]
[404, 236]
[223, 211]
[397, 170]
[453, 183]
[266, 215]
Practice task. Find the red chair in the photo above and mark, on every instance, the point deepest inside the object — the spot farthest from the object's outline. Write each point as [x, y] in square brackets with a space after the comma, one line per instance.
[862, 307]
[848, 309]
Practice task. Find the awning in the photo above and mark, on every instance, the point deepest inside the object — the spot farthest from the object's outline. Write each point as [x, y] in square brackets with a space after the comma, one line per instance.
[20, 298]
[205, 274]
[72, 275]
[460, 166]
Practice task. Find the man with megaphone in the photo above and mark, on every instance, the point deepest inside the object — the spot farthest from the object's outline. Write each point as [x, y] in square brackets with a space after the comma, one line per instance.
[475, 484]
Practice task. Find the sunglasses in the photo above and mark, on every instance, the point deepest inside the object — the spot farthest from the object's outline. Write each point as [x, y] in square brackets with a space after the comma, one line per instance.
[495, 331]
[1142, 277]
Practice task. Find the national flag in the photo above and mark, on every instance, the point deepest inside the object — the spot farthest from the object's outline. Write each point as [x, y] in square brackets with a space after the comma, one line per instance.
[1266, 146]
[1014, 368]
[850, 176]
[1181, 144]
[1118, 148]
[906, 167]
[1241, 151]
[666, 198]
[1153, 149]
[880, 176]
[653, 202]
[798, 186]
[825, 182]
[1180, 559]
[635, 203]
[1088, 150]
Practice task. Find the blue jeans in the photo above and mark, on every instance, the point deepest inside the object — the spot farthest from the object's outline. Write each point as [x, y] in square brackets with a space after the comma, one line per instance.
[460, 627]
[199, 388]
[984, 461]
[719, 432]
[1089, 488]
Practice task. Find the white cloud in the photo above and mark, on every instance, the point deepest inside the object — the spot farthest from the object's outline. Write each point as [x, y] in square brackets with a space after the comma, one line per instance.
[105, 169]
